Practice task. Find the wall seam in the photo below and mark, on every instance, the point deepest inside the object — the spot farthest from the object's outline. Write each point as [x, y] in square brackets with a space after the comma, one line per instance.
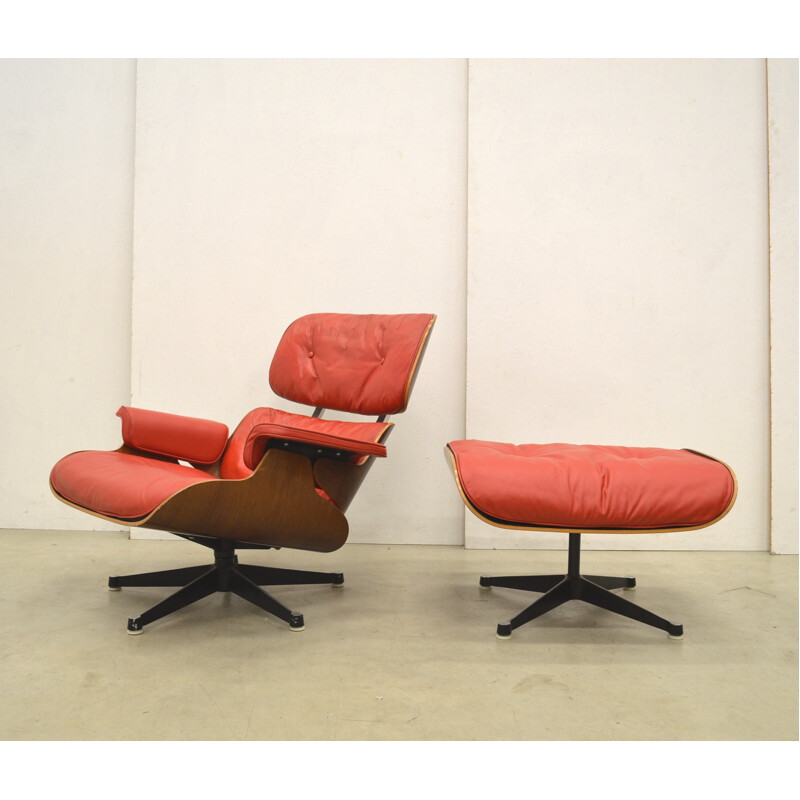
[769, 317]
[466, 279]
[133, 233]
[133, 211]
[466, 251]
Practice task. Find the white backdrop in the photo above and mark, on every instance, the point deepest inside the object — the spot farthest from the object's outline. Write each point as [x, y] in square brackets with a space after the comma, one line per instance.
[266, 190]
[66, 202]
[783, 218]
[617, 262]
[618, 270]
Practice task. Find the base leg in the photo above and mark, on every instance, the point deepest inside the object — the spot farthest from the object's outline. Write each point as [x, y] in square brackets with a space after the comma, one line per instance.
[529, 583]
[591, 593]
[245, 588]
[559, 594]
[166, 577]
[611, 583]
[273, 576]
[199, 588]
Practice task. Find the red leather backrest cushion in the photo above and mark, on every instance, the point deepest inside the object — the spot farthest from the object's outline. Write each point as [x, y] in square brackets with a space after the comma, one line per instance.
[361, 363]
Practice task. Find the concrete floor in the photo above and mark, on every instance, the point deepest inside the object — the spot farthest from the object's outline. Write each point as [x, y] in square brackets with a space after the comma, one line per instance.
[406, 651]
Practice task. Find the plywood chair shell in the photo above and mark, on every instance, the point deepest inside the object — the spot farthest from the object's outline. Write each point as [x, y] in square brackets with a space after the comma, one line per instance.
[277, 505]
[341, 480]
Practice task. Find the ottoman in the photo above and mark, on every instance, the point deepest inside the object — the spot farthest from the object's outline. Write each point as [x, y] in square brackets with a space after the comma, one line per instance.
[581, 489]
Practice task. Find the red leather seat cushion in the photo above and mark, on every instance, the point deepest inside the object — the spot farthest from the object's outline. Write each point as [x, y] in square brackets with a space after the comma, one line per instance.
[118, 484]
[592, 486]
[247, 445]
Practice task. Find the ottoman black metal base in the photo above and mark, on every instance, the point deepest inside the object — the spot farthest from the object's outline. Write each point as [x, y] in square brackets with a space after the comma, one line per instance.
[558, 589]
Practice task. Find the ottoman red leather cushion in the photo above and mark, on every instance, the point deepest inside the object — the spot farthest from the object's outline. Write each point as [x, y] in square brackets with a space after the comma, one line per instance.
[592, 486]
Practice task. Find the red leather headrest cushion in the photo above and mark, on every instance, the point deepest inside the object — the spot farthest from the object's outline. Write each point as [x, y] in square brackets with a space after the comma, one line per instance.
[361, 363]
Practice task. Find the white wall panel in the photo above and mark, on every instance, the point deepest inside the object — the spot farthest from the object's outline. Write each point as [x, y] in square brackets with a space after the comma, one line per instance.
[783, 167]
[266, 190]
[66, 202]
[617, 260]
[617, 269]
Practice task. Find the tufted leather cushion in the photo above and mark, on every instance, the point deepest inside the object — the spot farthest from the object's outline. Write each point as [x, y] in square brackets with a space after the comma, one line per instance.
[362, 363]
[592, 486]
[119, 484]
[198, 441]
[249, 440]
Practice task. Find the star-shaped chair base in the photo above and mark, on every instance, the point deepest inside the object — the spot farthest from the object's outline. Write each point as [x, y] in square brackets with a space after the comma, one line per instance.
[225, 575]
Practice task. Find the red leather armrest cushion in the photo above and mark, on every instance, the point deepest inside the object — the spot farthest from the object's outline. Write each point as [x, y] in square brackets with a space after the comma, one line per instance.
[198, 441]
[350, 437]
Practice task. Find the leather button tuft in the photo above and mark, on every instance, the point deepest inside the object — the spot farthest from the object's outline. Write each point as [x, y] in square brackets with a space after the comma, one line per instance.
[310, 354]
[382, 360]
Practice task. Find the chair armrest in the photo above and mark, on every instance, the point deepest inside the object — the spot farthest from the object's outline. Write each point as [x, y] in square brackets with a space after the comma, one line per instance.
[354, 443]
[198, 441]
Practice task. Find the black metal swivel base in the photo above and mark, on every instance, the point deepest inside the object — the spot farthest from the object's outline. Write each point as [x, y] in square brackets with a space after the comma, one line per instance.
[558, 589]
[225, 575]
